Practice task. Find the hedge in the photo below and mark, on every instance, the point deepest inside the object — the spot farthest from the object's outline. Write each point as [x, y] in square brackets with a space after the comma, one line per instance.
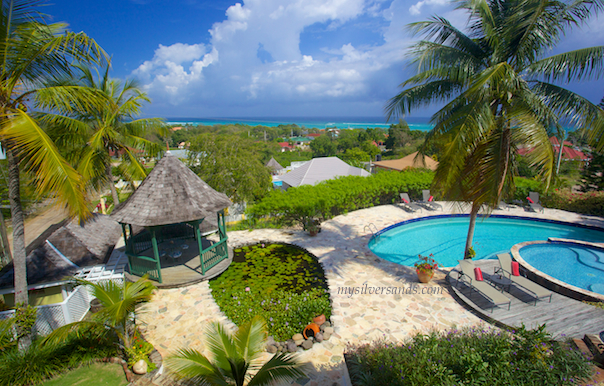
[341, 195]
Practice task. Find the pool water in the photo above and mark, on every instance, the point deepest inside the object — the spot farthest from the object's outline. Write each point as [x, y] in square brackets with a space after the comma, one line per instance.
[445, 237]
[580, 266]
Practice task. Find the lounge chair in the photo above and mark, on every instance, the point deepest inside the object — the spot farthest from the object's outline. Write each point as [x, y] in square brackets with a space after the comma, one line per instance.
[492, 294]
[503, 206]
[534, 203]
[428, 202]
[408, 205]
[528, 286]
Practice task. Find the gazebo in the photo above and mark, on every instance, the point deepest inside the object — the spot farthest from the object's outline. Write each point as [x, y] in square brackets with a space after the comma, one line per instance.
[163, 222]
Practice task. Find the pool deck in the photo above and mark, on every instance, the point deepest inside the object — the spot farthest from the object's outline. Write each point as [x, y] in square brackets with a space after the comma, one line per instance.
[563, 316]
[176, 318]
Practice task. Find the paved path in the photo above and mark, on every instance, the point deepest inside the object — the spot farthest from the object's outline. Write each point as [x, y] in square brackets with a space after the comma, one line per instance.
[176, 318]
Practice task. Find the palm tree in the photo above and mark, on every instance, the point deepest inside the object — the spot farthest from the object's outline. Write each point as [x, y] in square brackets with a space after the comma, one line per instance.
[93, 135]
[118, 303]
[235, 358]
[500, 92]
[33, 52]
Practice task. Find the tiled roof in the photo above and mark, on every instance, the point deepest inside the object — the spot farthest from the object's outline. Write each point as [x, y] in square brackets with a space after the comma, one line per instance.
[170, 194]
[321, 169]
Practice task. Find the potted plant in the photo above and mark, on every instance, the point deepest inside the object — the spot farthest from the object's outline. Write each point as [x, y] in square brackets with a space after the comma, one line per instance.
[425, 267]
[471, 253]
[313, 226]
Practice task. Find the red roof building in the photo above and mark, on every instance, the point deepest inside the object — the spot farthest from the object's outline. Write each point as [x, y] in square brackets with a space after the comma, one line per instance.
[569, 152]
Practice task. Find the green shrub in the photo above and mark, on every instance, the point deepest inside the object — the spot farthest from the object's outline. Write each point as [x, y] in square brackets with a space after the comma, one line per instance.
[341, 195]
[524, 186]
[281, 283]
[591, 203]
[469, 357]
[37, 363]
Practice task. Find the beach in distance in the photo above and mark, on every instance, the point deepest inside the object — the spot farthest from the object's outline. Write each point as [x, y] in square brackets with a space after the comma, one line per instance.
[419, 123]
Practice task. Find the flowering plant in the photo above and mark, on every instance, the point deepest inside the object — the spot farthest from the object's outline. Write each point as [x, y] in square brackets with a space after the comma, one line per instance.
[426, 264]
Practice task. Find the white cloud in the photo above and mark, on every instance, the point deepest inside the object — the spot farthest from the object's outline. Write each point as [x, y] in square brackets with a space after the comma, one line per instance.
[416, 8]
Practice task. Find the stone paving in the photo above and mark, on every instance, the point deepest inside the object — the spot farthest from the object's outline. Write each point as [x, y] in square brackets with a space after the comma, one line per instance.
[176, 318]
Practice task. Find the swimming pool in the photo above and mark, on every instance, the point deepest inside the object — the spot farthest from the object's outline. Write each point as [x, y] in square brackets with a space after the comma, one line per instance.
[582, 266]
[445, 237]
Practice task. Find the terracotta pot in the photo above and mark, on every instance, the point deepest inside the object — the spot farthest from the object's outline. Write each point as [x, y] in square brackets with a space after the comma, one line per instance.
[311, 330]
[313, 233]
[319, 320]
[424, 276]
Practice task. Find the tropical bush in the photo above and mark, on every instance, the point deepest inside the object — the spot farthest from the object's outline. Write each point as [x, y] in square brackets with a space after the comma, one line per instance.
[469, 357]
[524, 186]
[341, 195]
[591, 203]
[39, 362]
[282, 283]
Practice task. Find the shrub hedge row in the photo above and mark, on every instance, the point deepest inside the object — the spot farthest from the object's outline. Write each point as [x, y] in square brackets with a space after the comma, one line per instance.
[345, 194]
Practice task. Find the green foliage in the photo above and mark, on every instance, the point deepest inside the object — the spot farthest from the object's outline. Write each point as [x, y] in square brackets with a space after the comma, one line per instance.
[280, 282]
[323, 146]
[231, 166]
[355, 157]
[231, 357]
[287, 157]
[469, 357]
[524, 186]
[591, 203]
[39, 362]
[333, 197]
[24, 319]
[593, 174]
[139, 349]
[95, 374]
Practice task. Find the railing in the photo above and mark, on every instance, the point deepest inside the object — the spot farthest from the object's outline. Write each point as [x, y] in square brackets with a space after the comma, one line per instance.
[143, 265]
[213, 255]
[53, 316]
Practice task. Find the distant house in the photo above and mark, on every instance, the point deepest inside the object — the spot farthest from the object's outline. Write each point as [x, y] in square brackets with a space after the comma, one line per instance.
[176, 128]
[320, 169]
[274, 166]
[285, 146]
[569, 151]
[300, 142]
[313, 135]
[406, 163]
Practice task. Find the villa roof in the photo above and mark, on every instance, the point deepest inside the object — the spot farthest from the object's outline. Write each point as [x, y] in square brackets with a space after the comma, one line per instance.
[68, 249]
[407, 162]
[274, 165]
[321, 169]
[171, 194]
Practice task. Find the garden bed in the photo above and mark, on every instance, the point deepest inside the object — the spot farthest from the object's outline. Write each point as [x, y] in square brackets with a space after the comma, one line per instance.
[283, 283]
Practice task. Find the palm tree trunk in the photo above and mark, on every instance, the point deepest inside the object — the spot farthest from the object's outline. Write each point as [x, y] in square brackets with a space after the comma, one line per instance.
[116, 199]
[19, 255]
[473, 215]
[6, 255]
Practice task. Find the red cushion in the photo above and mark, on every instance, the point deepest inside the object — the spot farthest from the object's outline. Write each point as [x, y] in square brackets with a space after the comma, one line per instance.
[431, 198]
[529, 200]
[478, 274]
[515, 268]
[405, 200]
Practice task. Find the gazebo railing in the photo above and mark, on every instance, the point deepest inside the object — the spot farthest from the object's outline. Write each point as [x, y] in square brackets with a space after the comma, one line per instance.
[143, 265]
[213, 255]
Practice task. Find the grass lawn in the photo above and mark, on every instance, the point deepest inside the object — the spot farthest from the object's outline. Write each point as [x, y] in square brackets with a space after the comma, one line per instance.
[97, 374]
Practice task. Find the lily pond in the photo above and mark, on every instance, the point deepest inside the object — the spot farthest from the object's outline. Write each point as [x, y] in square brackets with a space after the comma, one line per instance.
[282, 283]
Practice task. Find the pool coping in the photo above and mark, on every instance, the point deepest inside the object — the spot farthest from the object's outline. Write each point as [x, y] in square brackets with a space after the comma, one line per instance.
[551, 282]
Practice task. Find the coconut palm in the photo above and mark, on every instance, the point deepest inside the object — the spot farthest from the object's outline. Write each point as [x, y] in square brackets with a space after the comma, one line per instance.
[500, 90]
[118, 303]
[235, 358]
[33, 52]
[92, 136]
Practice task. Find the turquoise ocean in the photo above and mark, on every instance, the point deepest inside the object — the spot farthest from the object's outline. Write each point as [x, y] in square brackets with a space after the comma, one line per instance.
[307, 122]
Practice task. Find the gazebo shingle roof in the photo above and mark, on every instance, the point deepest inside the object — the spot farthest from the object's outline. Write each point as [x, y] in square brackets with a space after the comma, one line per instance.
[170, 194]
[274, 165]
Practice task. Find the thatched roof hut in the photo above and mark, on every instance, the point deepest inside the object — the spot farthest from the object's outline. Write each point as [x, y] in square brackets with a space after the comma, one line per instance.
[274, 165]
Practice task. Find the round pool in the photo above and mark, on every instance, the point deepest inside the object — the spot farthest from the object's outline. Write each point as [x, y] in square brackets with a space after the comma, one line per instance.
[445, 237]
[578, 265]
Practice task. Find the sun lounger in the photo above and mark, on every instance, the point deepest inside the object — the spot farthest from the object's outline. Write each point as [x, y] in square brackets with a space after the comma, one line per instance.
[428, 201]
[528, 286]
[534, 203]
[408, 205]
[503, 206]
[492, 294]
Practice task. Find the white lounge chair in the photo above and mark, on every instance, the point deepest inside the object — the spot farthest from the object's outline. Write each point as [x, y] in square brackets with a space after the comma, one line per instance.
[489, 292]
[528, 286]
[408, 205]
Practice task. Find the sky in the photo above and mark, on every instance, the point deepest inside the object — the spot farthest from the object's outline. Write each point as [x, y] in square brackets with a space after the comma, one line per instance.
[270, 58]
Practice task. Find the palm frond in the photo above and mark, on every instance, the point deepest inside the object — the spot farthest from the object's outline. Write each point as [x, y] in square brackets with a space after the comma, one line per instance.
[585, 63]
[221, 344]
[52, 173]
[281, 368]
[421, 95]
[191, 364]
[251, 337]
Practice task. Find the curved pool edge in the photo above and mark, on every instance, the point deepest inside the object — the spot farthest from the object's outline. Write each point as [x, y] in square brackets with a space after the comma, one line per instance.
[550, 282]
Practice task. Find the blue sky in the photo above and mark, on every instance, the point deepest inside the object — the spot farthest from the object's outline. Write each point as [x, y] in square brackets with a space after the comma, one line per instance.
[278, 58]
